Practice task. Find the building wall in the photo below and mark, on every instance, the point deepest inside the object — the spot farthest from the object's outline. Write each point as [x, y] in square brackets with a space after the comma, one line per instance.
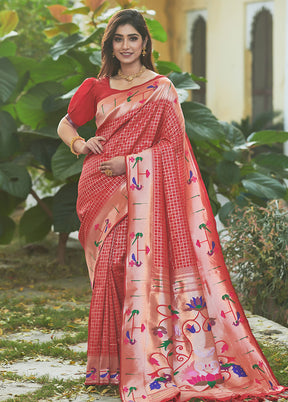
[229, 59]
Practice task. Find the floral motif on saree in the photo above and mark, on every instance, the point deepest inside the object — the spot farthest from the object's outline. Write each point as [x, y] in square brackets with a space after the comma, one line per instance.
[184, 333]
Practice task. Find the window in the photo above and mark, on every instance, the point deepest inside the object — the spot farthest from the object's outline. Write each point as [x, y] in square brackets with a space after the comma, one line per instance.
[262, 63]
[198, 50]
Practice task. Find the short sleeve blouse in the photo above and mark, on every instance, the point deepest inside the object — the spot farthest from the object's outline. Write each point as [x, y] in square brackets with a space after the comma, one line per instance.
[83, 105]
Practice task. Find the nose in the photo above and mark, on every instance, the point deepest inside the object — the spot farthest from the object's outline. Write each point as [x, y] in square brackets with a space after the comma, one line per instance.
[125, 43]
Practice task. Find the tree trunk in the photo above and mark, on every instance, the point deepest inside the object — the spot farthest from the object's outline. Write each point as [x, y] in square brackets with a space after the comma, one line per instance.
[63, 237]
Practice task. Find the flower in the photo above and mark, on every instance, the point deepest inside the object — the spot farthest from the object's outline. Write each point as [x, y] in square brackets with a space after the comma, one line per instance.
[160, 331]
[153, 361]
[191, 328]
[155, 385]
[196, 303]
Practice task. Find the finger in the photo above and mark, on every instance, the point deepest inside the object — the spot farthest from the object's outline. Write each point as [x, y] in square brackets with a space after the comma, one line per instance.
[104, 167]
[96, 147]
[99, 145]
[92, 148]
[101, 138]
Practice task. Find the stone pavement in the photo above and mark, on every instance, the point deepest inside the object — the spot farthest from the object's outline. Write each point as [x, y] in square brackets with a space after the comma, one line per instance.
[30, 369]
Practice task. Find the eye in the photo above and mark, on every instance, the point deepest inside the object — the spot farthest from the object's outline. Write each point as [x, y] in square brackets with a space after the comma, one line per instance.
[134, 38]
[117, 39]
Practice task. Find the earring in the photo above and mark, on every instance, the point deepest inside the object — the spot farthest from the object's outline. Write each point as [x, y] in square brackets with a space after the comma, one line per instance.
[144, 51]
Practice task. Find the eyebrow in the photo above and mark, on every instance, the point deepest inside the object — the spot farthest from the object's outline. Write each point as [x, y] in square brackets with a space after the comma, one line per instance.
[134, 34]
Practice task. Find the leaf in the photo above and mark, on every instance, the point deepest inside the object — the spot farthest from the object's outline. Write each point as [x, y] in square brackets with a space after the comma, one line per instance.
[200, 123]
[8, 79]
[268, 137]
[215, 204]
[29, 106]
[264, 186]
[272, 161]
[43, 150]
[7, 229]
[54, 103]
[225, 211]
[8, 139]
[156, 30]
[35, 223]
[165, 67]
[65, 218]
[63, 45]
[96, 58]
[228, 172]
[8, 203]
[57, 11]
[51, 32]
[7, 48]
[77, 10]
[68, 27]
[8, 21]
[93, 4]
[65, 164]
[52, 70]
[183, 81]
[47, 131]
[15, 180]
[232, 134]
[75, 40]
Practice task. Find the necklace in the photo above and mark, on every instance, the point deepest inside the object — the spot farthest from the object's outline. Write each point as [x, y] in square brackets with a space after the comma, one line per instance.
[130, 77]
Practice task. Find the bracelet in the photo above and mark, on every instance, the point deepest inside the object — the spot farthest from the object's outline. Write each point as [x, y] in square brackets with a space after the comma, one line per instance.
[72, 143]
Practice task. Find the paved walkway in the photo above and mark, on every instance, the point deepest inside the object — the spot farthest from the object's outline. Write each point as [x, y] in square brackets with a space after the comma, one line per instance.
[30, 369]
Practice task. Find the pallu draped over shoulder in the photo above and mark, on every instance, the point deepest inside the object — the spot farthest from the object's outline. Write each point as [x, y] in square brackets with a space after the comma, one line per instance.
[171, 309]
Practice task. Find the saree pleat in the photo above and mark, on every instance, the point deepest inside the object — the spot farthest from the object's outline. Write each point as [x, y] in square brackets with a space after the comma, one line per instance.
[105, 317]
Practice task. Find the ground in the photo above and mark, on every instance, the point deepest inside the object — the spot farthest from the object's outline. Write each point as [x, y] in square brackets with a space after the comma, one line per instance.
[44, 312]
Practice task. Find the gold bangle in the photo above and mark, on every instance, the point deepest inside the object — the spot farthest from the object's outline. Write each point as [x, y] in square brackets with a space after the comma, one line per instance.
[72, 143]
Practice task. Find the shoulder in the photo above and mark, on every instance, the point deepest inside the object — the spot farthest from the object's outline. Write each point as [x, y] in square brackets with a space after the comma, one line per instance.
[88, 84]
[165, 81]
[92, 87]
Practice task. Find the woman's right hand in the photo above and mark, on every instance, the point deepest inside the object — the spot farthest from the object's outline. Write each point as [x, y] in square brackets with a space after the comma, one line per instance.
[92, 145]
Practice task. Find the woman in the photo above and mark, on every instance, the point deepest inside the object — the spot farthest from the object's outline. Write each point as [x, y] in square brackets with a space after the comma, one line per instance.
[163, 312]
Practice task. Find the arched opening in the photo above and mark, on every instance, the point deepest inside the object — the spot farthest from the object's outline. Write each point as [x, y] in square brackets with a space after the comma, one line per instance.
[262, 64]
[198, 50]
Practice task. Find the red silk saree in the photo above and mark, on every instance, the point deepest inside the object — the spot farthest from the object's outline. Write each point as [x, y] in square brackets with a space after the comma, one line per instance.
[165, 321]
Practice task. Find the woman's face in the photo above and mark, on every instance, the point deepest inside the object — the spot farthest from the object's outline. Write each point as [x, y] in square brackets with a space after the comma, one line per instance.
[128, 44]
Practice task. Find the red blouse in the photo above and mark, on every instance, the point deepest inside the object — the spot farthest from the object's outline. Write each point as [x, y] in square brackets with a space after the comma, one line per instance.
[83, 105]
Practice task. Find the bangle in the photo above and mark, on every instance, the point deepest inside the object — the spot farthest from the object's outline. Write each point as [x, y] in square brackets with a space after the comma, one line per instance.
[72, 143]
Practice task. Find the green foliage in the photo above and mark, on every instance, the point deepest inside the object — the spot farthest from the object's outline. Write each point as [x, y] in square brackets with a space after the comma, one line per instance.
[242, 170]
[33, 18]
[34, 224]
[255, 245]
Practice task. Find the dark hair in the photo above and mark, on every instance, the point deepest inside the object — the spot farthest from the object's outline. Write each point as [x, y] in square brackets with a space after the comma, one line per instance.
[110, 64]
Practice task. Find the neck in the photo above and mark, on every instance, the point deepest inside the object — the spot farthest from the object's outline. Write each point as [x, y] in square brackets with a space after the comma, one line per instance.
[130, 69]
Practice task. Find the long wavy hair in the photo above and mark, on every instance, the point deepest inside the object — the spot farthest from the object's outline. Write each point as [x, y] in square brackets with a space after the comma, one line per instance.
[110, 64]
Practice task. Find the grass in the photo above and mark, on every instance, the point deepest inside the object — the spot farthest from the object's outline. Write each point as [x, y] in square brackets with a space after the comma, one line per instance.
[277, 357]
[46, 298]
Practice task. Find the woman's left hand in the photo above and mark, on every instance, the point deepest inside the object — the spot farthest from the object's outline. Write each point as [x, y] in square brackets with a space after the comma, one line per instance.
[116, 165]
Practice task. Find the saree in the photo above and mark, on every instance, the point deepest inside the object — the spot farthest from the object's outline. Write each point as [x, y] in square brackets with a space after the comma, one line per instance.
[165, 322]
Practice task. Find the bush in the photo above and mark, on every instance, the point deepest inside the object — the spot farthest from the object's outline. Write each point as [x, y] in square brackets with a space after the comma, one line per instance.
[255, 245]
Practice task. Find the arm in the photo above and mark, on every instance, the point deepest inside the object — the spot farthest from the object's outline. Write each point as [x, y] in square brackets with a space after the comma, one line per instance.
[67, 132]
